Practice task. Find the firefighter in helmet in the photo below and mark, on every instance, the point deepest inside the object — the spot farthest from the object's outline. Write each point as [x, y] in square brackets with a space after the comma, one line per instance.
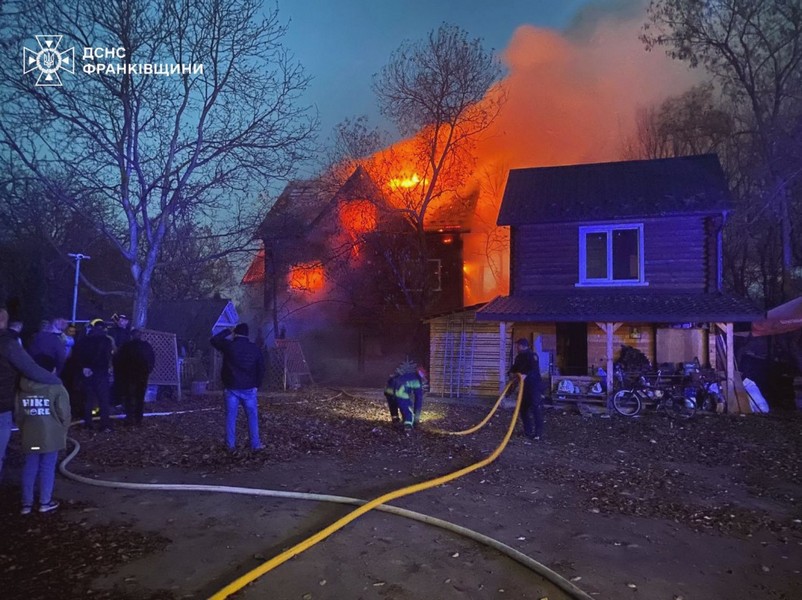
[404, 393]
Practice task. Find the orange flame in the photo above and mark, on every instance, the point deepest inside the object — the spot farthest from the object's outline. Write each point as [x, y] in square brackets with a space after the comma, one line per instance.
[407, 182]
[306, 277]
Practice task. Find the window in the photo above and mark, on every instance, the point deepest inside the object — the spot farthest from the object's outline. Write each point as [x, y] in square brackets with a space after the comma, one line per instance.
[611, 255]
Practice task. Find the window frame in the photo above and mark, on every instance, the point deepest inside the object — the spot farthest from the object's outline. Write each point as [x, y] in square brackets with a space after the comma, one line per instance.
[608, 281]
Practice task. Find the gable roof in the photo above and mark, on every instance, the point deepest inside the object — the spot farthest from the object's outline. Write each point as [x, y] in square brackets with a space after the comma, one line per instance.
[614, 190]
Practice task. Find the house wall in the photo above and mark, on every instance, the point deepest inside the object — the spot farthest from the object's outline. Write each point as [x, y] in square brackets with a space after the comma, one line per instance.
[678, 254]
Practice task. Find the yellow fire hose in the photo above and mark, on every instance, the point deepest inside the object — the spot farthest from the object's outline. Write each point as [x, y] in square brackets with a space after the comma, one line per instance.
[569, 588]
[321, 535]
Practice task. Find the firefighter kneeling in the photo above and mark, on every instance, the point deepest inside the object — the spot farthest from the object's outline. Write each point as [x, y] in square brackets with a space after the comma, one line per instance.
[404, 393]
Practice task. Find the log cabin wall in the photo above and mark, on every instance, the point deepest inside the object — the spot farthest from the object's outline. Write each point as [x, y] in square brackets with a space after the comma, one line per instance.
[678, 255]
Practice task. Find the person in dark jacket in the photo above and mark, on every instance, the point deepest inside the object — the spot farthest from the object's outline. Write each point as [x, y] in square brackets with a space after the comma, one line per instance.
[242, 373]
[14, 362]
[527, 364]
[133, 363]
[121, 331]
[93, 359]
[47, 342]
[43, 415]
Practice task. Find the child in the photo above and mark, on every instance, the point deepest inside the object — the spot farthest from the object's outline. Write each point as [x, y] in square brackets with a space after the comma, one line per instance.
[42, 413]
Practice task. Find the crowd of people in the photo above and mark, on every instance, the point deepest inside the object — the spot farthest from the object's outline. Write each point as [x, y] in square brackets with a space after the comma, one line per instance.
[57, 374]
[60, 373]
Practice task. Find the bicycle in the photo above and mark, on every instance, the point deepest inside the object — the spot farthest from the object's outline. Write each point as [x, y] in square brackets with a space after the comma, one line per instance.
[629, 401]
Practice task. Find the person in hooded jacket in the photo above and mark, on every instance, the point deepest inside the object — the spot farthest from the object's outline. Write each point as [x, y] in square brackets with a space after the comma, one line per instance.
[14, 361]
[42, 413]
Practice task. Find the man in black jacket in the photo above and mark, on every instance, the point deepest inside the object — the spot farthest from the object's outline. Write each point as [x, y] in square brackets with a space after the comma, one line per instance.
[242, 372]
[133, 363]
[93, 356]
[527, 364]
[14, 361]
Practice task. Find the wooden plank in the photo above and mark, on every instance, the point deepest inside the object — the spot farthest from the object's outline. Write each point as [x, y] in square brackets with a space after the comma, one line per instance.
[502, 355]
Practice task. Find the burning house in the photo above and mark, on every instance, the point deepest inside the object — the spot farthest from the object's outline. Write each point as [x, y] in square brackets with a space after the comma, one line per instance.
[341, 271]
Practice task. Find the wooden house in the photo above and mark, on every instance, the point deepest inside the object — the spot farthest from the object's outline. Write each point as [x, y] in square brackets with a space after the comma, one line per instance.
[603, 255]
[321, 276]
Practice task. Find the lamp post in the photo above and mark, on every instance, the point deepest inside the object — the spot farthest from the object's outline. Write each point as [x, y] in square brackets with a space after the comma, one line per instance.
[78, 258]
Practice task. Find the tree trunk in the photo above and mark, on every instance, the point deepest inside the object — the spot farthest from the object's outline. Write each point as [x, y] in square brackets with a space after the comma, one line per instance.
[141, 296]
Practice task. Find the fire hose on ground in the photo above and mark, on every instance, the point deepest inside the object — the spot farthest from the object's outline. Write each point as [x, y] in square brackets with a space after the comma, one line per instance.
[364, 506]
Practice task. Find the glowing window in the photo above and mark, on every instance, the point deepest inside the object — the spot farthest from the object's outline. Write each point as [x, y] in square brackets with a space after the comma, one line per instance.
[306, 277]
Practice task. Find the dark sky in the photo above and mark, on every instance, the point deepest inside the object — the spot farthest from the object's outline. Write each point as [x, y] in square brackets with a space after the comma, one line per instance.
[342, 43]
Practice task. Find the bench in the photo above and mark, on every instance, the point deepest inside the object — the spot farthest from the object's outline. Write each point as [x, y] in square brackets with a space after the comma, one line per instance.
[584, 383]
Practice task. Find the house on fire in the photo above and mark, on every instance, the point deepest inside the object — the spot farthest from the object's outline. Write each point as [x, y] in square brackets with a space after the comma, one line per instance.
[322, 277]
[602, 255]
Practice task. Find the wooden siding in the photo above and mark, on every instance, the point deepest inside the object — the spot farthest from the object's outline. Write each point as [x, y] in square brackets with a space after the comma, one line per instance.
[677, 255]
[464, 356]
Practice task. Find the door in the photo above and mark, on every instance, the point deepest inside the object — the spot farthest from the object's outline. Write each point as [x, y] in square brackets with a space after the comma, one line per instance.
[572, 348]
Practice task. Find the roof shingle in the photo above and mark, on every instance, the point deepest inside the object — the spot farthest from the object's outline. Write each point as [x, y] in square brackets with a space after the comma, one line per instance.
[637, 188]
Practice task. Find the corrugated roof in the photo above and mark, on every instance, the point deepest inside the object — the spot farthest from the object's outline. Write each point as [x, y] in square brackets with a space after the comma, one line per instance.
[597, 305]
[637, 188]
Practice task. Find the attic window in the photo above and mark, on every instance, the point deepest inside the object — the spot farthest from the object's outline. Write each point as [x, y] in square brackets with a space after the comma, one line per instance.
[611, 255]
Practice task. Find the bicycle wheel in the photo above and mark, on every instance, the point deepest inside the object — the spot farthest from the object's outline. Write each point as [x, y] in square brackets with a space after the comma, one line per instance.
[681, 407]
[626, 403]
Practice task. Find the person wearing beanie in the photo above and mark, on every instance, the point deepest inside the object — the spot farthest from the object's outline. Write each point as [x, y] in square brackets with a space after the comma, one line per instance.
[242, 373]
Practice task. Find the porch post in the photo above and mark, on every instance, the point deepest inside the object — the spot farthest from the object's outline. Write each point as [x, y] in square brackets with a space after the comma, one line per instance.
[609, 329]
[502, 355]
[732, 401]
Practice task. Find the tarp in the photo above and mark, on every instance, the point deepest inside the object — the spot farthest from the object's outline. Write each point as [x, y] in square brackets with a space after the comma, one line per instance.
[782, 319]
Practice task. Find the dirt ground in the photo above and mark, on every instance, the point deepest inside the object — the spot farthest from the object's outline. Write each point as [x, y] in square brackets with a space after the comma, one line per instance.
[644, 508]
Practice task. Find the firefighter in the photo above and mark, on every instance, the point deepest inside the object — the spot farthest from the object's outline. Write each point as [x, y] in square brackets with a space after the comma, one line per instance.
[408, 392]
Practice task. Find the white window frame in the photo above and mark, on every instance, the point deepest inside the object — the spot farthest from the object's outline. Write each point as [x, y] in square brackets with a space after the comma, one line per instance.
[609, 281]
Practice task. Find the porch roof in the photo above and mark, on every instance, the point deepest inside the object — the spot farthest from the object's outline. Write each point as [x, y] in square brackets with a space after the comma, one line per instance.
[620, 306]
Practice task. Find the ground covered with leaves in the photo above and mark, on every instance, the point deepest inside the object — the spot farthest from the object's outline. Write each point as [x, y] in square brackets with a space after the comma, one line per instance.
[732, 477]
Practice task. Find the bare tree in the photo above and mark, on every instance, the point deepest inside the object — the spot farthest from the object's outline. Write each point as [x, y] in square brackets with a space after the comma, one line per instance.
[439, 92]
[753, 49]
[692, 123]
[185, 112]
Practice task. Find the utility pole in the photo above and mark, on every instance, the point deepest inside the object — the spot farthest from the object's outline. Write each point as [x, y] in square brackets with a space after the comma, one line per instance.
[78, 258]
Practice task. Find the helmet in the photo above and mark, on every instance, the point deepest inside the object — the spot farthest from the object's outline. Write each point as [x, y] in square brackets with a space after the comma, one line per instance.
[596, 388]
[97, 322]
[406, 367]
